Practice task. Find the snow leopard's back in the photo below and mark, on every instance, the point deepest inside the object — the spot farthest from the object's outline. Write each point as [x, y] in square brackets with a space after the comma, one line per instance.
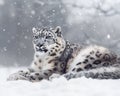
[91, 57]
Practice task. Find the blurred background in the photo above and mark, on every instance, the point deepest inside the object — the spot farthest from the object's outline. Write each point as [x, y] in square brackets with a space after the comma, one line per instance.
[82, 21]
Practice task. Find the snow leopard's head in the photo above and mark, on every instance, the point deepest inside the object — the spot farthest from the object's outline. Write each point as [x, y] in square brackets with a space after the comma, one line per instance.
[44, 38]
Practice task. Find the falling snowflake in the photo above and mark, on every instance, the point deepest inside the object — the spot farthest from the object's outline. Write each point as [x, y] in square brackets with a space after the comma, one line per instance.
[2, 2]
[4, 30]
[26, 37]
[18, 23]
[4, 49]
[108, 36]
[33, 12]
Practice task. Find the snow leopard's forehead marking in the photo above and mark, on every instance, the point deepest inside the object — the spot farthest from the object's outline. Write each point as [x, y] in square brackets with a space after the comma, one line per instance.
[44, 32]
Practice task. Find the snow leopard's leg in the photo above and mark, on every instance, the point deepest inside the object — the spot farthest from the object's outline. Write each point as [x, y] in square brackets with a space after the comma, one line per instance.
[30, 75]
[38, 76]
[98, 73]
[20, 75]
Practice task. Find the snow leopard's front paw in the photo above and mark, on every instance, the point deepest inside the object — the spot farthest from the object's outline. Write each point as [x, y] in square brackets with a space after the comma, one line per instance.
[69, 76]
[54, 76]
[18, 76]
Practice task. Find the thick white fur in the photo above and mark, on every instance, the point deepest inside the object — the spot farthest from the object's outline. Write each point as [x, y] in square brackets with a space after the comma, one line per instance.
[84, 52]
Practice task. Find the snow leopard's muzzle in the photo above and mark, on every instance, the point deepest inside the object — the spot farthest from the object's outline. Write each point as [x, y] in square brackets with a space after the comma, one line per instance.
[41, 47]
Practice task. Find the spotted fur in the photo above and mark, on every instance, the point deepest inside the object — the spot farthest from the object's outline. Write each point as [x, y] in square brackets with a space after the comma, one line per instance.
[54, 55]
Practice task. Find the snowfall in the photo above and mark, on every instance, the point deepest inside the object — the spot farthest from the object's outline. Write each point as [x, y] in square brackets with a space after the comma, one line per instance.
[57, 87]
[60, 86]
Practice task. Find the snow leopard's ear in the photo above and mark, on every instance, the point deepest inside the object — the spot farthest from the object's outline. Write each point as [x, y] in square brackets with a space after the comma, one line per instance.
[58, 31]
[34, 30]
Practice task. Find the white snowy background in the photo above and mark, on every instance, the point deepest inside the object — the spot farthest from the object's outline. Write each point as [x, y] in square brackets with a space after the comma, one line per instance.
[82, 21]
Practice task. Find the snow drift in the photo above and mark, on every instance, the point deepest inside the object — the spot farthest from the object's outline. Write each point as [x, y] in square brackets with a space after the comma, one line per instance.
[60, 86]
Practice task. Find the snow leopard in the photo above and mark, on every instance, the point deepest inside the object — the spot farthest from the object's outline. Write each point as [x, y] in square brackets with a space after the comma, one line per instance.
[54, 57]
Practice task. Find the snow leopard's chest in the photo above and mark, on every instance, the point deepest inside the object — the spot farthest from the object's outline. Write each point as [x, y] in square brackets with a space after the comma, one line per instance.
[45, 61]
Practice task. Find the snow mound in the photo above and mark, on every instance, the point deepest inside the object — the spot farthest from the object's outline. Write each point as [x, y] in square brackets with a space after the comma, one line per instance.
[57, 87]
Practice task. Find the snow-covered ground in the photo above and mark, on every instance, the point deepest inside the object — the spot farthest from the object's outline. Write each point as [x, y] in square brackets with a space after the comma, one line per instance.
[57, 87]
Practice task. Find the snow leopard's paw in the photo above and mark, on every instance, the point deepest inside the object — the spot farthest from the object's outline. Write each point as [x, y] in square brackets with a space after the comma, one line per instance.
[69, 76]
[54, 76]
[18, 76]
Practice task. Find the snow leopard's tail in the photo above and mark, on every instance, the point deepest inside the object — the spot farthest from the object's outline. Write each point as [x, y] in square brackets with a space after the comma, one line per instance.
[99, 73]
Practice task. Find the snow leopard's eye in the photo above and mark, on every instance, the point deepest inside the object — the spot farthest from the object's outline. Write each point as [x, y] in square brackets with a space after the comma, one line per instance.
[49, 36]
[35, 37]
